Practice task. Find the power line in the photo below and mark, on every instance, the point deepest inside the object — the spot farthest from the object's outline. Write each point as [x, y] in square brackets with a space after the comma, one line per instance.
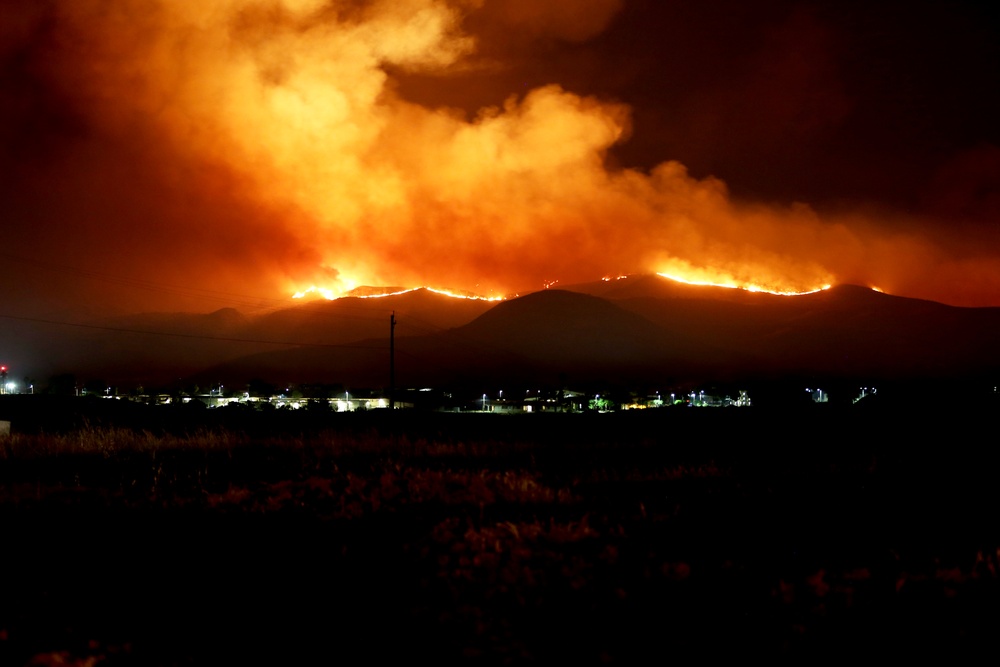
[371, 312]
[228, 298]
[228, 339]
[139, 283]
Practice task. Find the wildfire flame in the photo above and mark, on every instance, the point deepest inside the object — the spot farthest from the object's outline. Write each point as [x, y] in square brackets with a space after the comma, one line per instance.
[333, 295]
[747, 286]
[691, 279]
[324, 292]
[290, 134]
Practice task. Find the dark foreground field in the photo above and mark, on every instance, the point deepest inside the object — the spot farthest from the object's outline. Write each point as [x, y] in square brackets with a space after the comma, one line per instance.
[678, 533]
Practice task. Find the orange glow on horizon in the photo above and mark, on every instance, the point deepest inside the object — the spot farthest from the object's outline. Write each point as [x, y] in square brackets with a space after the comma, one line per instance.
[313, 164]
[332, 295]
[746, 286]
[697, 278]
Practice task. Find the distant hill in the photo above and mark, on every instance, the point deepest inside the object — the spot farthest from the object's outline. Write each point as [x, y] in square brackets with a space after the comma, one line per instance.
[656, 286]
[355, 318]
[643, 330]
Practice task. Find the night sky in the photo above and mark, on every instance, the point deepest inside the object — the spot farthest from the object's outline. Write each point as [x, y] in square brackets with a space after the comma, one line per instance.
[180, 155]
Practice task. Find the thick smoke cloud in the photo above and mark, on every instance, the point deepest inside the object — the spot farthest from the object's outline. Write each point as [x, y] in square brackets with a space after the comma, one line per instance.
[260, 147]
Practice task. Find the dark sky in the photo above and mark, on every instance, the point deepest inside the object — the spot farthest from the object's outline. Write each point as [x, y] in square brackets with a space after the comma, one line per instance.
[829, 103]
[163, 155]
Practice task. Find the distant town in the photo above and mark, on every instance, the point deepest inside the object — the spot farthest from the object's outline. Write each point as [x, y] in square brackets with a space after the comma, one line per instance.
[258, 395]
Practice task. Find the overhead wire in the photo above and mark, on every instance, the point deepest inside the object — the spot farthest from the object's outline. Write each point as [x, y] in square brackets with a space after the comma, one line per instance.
[174, 334]
[334, 312]
[257, 303]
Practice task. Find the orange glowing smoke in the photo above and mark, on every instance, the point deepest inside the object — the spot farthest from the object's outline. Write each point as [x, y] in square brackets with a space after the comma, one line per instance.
[294, 101]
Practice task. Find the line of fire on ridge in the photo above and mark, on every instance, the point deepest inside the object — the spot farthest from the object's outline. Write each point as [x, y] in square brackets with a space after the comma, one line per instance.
[330, 295]
[749, 287]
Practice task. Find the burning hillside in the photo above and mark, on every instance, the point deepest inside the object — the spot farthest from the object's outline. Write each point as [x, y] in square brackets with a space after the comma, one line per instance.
[277, 147]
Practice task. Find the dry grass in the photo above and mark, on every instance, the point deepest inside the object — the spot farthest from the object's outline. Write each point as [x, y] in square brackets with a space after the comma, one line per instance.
[483, 549]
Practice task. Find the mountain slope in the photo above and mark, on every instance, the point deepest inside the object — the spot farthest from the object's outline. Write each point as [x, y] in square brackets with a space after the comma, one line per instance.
[642, 330]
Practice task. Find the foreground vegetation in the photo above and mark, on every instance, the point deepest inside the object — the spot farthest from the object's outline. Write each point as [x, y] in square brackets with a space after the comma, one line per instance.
[492, 539]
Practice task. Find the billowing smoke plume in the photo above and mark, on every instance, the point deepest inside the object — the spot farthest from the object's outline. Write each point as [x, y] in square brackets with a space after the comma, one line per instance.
[262, 146]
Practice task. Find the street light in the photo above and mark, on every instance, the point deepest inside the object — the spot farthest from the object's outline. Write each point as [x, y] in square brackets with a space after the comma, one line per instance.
[484, 402]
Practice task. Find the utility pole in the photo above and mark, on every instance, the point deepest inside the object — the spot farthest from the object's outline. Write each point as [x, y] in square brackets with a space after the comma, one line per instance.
[392, 361]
